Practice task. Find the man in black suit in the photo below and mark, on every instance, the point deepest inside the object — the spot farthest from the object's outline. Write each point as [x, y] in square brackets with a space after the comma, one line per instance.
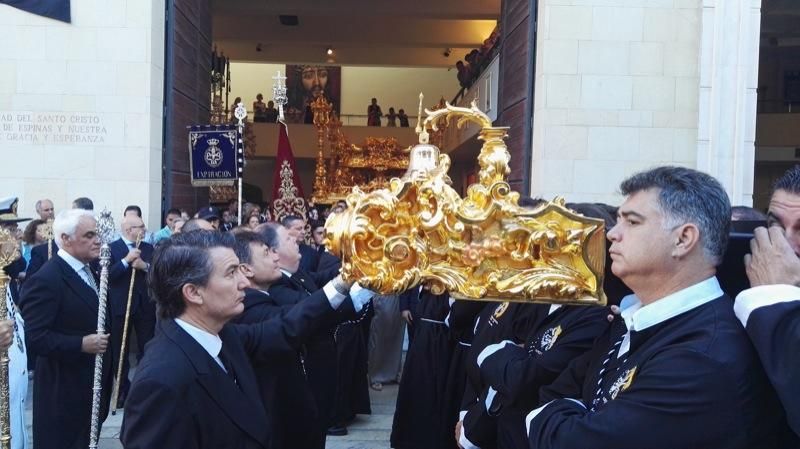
[309, 257]
[285, 392]
[321, 356]
[60, 308]
[770, 310]
[195, 386]
[126, 259]
[677, 369]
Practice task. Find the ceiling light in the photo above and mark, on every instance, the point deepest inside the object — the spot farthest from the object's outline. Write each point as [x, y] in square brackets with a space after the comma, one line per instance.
[329, 51]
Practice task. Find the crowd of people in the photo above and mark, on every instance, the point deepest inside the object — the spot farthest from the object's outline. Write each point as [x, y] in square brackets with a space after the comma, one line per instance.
[374, 115]
[469, 70]
[248, 336]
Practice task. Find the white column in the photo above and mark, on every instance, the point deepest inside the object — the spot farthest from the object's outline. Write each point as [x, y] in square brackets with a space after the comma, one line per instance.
[728, 82]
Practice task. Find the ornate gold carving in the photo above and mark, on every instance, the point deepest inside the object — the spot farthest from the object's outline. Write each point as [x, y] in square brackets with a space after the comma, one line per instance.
[483, 247]
[9, 252]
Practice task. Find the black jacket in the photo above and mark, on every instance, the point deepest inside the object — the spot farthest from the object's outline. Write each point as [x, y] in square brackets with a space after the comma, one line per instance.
[692, 381]
[775, 332]
[181, 398]
[39, 257]
[282, 382]
[119, 279]
[59, 309]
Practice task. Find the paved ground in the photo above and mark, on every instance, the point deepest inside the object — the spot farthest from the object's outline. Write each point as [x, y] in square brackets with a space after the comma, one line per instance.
[366, 432]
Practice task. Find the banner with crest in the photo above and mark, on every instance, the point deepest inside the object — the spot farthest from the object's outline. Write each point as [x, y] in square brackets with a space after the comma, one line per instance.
[214, 155]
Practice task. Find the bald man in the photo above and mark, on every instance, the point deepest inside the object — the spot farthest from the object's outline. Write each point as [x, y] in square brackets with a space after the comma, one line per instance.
[129, 261]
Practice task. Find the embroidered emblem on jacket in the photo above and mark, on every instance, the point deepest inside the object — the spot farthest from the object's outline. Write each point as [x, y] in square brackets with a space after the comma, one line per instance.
[549, 338]
[498, 312]
[623, 383]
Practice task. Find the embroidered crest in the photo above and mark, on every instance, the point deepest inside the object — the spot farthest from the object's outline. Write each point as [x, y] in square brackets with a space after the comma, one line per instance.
[622, 384]
[549, 338]
[498, 312]
[213, 155]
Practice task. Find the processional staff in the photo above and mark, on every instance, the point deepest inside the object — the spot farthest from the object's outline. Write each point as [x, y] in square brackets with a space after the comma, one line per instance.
[105, 229]
[118, 378]
[240, 113]
[9, 252]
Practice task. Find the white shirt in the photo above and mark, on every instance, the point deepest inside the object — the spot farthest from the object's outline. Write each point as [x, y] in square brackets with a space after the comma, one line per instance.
[76, 265]
[210, 342]
[638, 317]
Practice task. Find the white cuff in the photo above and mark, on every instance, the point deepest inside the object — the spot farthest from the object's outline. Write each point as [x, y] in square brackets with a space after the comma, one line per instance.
[461, 415]
[491, 349]
[764, 295]
[360, 296]
[463, 441]
[490, 398]
[124, 263]
[334, 297]
[536, 412]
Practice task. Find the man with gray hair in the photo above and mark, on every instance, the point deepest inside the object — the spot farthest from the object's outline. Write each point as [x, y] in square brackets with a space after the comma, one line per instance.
[676, 369]
[45, 209]
[60, 307]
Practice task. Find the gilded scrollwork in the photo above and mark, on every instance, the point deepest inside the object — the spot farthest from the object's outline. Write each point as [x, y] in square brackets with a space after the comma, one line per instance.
[483, 247]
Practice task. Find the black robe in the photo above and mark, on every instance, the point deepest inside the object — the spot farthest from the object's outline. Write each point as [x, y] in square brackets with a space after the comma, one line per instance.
[775, 332]
[419, 414]
[691, 381]
[495, 323]
[517, 373]
[461, 322]
[59, 309]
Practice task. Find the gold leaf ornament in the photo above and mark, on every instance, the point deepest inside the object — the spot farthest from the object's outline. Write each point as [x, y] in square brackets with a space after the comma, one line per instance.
[481, 247]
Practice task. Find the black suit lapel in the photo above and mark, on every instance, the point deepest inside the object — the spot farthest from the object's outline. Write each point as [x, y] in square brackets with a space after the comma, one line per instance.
[301, 283]
[239, 402]
[78, 285]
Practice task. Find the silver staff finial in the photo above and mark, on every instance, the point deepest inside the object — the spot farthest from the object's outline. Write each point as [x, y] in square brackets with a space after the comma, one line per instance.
[240, 113]
[279, 93]
[105, 227]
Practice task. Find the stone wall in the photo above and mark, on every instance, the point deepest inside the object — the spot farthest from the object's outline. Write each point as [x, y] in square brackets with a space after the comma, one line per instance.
[617, 88]
[81, 106]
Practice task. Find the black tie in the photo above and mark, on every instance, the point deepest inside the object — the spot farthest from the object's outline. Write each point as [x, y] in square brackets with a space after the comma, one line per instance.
[223, 357]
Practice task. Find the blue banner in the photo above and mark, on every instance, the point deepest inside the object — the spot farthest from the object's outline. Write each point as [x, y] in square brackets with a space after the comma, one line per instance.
[215, 155]
[54, 9]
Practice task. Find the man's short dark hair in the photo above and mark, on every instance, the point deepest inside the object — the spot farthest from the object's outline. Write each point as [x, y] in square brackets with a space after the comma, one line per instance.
[243, 241]
[134, 208]
[689, 196]
[747, 213]
[594, 210]
[289, 219]
[192, 225]
[530, 203]
[317, 224]
[790, 181]
[83, 203]
[179, 260]
[174, 211]
[269, 232]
